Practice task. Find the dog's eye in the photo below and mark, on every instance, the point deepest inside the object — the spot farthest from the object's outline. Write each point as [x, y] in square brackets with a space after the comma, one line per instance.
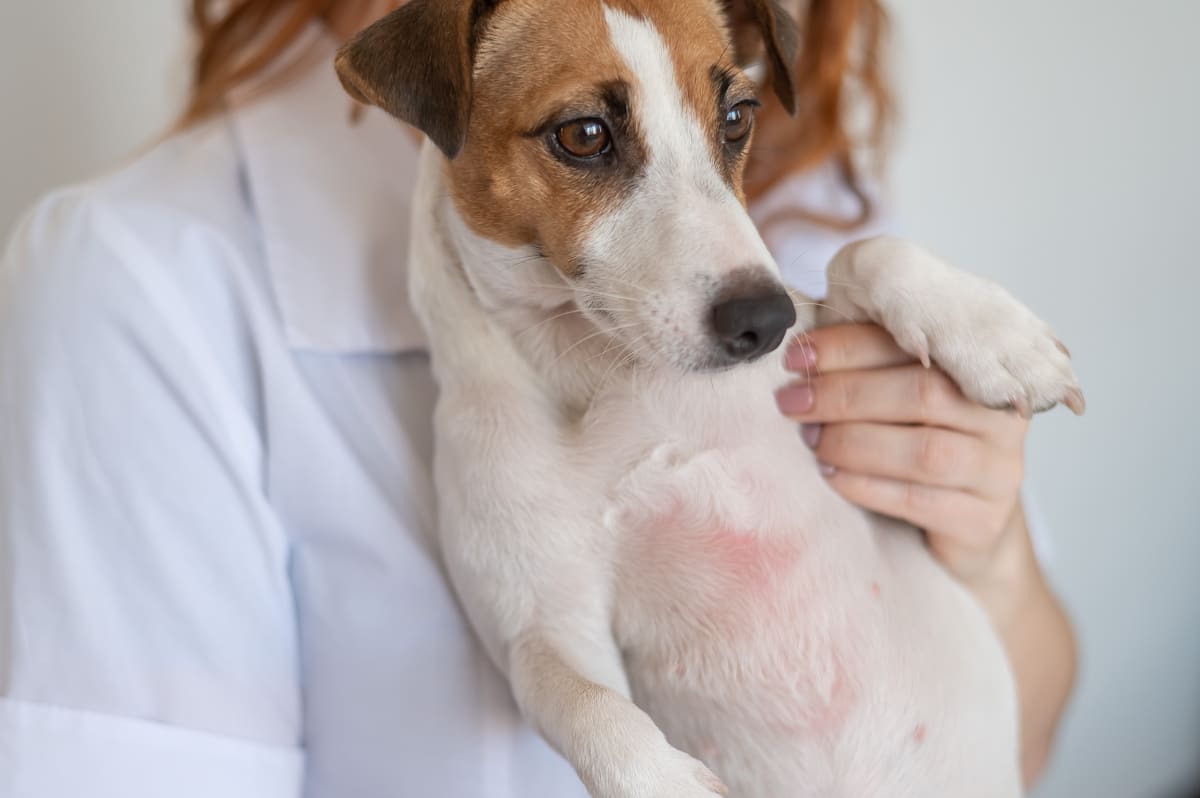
[738, 120]
[584, 138]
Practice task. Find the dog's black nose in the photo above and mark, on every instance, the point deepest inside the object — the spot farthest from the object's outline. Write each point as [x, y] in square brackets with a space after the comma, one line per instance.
[748, 327]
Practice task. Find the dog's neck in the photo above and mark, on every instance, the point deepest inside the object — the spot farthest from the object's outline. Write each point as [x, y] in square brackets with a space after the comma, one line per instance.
[530, 300]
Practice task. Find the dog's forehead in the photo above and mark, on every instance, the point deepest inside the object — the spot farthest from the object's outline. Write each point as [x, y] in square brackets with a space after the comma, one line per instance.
[692, 29]
[533, 48]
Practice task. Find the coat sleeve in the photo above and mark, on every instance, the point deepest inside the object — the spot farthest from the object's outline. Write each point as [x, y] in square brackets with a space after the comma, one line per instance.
[147, 636]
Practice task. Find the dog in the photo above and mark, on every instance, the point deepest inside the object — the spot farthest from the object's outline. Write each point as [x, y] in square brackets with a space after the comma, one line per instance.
[644, 545]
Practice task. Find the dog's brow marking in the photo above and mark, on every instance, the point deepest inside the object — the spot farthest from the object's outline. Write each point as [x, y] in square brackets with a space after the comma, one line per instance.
[674, 136]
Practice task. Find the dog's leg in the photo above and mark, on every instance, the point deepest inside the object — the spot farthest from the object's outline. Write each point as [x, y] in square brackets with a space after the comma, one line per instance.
[533, 572]
[534, 578]
[998, 352]
[616, 748]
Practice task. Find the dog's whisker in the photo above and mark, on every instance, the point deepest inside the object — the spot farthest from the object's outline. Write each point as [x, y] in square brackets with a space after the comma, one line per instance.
[849, 319]
[549, 319]
[590, 292]
[620, 363]
[573, 310]
[615, 367]
[798, 256]
[605, 295]
[586, 338]
[618, 296]
[615, 344]
[799, 296]
[808, 372]
[804, 301]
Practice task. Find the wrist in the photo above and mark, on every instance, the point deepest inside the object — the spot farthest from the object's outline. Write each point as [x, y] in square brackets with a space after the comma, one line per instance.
[1037, 637]
[1012, 577]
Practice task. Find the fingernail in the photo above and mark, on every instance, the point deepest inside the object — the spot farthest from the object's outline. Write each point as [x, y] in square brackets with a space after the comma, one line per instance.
[795, 399]
[801, 357]
[826, 469]
[811, 433]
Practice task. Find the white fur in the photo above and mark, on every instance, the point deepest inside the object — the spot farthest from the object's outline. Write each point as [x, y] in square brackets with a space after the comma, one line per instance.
[650, 554]
[656, 262]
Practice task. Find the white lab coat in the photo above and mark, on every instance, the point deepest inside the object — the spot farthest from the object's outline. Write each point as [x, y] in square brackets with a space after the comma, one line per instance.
[217, 576]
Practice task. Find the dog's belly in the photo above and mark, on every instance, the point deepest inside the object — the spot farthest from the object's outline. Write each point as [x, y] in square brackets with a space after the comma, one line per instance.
[796, 645]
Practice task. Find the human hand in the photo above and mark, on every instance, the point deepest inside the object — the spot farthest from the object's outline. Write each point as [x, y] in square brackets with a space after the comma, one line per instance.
[900, 439]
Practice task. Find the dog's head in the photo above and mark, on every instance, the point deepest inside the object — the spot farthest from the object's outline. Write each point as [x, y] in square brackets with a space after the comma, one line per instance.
[609, 137]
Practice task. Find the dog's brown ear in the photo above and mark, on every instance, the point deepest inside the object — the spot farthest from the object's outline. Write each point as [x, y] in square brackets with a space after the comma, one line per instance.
[415, 64]
[782, 42]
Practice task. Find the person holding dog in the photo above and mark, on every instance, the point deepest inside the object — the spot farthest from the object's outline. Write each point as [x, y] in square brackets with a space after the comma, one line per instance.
[215, 501]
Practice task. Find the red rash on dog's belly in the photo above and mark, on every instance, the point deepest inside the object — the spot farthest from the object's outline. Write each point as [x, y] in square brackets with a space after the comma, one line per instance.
[735, 590]
[733, 568]
[748, 560]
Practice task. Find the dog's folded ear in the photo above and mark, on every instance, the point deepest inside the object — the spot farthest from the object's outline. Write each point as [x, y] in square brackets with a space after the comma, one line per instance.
[415, 64]
[780, 38]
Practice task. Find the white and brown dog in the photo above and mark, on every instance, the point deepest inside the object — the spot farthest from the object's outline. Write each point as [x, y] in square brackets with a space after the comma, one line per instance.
[643, 543]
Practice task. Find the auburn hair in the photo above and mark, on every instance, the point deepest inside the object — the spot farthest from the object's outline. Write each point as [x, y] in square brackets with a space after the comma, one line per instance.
[844, 102]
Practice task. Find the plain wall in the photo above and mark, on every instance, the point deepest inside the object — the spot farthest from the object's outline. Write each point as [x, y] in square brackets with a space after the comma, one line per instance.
[84, 84]
[1051, 144]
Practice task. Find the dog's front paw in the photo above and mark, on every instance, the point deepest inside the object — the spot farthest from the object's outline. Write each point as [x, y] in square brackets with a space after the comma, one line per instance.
[995, 349]
[685, 777]
[669, 773]
[998, 352]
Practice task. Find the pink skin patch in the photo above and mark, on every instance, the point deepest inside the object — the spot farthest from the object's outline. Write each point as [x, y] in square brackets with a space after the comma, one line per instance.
[730, 583]
[745, 563]
[876, 590]
[919, 733]
[748, 568]
[747, 557]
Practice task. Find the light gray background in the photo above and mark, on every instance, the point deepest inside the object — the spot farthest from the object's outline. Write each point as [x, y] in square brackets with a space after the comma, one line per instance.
[1051, 144]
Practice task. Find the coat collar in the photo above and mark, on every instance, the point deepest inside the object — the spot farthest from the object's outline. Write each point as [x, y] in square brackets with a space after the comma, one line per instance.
[332, 199]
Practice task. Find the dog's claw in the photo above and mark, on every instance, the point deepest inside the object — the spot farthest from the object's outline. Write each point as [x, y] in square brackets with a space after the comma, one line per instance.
[1062, 347]
[1075, 401]
[1020, 403]
[913, 340]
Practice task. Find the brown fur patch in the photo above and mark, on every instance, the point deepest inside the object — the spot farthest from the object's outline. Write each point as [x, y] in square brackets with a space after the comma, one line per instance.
[537, 60]
[432, 91]
[536, 69]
